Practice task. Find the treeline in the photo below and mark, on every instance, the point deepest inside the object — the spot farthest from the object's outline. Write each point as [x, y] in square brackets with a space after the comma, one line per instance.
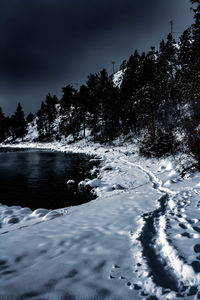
[159, 96]
[15, 126]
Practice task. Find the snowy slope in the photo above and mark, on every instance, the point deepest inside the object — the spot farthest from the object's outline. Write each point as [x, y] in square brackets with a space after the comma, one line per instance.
[32, 132]
[118, 77]
[104, 249]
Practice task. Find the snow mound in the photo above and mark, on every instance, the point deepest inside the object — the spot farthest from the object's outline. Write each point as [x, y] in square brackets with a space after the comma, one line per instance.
[70, 182]
[16, 216]
[93, 183]
[118, 187]
[82, 184]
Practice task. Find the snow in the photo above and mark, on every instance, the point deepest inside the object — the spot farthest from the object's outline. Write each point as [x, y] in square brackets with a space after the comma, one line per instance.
[70, 182]
[82, 183]
[32, 133]
[118, 77]
[93, 183]
[97, 250]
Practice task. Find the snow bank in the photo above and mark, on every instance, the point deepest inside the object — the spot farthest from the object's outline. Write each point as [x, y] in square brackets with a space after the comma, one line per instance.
[93, 251]
[93, 183]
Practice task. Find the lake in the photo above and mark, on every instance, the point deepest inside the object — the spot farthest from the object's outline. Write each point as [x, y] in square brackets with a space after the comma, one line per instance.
[37, 178]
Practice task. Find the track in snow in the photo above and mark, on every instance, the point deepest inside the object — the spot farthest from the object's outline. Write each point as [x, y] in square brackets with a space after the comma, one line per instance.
[168, 274]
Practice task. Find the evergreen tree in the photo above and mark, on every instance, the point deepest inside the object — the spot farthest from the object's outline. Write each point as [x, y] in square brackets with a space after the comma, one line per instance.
[194, 89]
[82, 103]
[146, 99]
[30, 118]
[94, 105]
[51, 113]
[41, 123]
[109, 113]
[18, 123]
[123, 65]
[191, 79]
[67, 106]
[102, 106]
[158, 87]
[46, 118]
[166, 90]
[3, 129]
[129, 87]
[67, 98]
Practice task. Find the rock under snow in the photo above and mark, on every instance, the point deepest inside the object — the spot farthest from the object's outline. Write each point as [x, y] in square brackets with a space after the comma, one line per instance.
[70, 182]
[93, 183]
[118, 187]
[107, 168]
[94, 171]
[82, 183]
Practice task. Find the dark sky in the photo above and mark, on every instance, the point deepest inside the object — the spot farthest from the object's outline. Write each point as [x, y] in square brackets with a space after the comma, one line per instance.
[47, 44]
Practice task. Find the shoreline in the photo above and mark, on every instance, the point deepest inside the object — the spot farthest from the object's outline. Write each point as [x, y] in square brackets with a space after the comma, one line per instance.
[102, 239]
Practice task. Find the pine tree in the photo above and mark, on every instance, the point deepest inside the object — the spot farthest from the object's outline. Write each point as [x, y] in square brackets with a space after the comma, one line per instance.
[51, 113]
[30, 118]
[82, 103]
[67, 98]
[109, 107]
[166, 70]
[128, 90]
[146, 100]
[102, 106]
[46, 119]
[42, 123]
[3, 131]
[194, 89]
[123, 65]
[94, 104]
[18, 123]
[191, 92]
[67, 106]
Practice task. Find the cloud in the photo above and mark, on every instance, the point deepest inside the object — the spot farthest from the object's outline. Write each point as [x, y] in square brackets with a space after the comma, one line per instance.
[44, 42]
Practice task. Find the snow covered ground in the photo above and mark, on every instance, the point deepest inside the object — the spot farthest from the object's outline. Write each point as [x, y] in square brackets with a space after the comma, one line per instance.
[140, 239]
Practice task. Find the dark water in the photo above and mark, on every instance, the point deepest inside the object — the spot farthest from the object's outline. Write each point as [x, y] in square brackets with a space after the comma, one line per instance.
[37, 178]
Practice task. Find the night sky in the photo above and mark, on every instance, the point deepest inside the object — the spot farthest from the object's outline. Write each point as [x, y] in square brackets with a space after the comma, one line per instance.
[47, 44]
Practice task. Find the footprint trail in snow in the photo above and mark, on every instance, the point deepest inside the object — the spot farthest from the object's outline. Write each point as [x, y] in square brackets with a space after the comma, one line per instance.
[165, 271]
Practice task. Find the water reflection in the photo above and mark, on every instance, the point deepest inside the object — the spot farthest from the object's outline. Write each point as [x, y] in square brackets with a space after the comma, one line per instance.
[37, 178]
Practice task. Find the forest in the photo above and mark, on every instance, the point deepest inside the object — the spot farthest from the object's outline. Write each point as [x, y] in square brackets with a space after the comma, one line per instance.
[157, 102]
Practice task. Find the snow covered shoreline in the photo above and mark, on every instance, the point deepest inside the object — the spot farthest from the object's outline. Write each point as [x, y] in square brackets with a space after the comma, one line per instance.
[92, 251]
